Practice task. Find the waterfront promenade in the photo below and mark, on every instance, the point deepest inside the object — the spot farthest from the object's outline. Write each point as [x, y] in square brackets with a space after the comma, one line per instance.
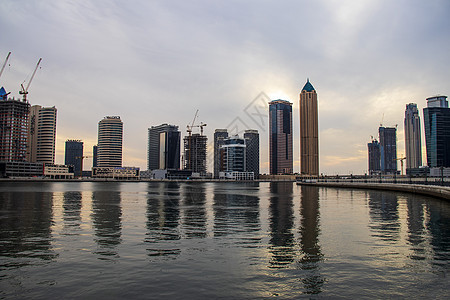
[429, 189]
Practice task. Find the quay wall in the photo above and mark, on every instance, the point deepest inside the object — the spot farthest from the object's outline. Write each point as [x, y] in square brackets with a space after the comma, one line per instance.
[442, 192]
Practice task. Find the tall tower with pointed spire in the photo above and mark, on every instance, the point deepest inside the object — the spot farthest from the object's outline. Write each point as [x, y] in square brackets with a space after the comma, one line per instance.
[309, 131]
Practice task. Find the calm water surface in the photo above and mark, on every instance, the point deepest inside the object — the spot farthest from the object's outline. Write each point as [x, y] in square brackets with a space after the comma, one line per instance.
[219, 240]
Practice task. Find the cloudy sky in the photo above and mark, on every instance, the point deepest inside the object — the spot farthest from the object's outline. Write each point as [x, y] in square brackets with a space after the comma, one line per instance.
[154, 62]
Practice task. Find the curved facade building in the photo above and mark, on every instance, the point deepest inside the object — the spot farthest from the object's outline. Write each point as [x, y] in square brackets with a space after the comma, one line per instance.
[109, 148]
[46, 135]
[42, 134]
[413, 145]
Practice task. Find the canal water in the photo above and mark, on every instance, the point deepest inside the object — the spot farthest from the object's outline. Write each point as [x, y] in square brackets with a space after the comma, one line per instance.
[86, 240]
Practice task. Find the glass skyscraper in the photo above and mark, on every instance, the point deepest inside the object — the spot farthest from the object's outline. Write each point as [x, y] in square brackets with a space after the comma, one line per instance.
[164, 147]
[437, 131]
[413, 145]
[73, 155]
[252, 151]
[388, 149]
[280, 137]
[109, 147]
[219, 136]
[233, 154]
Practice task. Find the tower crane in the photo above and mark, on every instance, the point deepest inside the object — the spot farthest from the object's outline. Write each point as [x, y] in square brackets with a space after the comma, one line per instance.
[189, 130]
[4, 64]
[401, 159]
[24, 90]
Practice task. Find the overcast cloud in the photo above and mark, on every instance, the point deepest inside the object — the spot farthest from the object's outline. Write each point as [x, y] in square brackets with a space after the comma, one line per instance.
[154, 62]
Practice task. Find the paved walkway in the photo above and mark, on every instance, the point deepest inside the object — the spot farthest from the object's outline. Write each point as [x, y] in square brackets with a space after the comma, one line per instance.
[430, 190]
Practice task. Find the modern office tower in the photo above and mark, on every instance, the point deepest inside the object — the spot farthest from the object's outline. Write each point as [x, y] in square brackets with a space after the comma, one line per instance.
[95, 156]
[110, 133]
[42, 134]
[280, 137]
[252, 151]
[163, 147]
[73, 156]
[219, 136]
[374, 157]
[309, 131]
[436, 118]
[233, 154]
[195, 153]
[13, 128]
[388, 149]
[413, 145]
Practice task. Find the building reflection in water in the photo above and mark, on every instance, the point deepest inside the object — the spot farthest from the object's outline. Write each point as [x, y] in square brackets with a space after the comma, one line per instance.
[236, 212]
[281, 222]
[439, 227]
[416, 229]
[26, 228]
[72, 212]
[163, 216]
[194, 211]
[107, 221]
[311, 255]
[383, 211]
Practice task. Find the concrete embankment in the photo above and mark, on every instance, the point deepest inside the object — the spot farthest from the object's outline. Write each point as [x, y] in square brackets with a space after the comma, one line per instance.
[429, 190]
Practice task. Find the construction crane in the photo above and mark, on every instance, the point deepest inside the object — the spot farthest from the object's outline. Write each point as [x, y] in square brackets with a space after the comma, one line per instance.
[189, 130]
[401, 159]
[4, 64]
[24, 90]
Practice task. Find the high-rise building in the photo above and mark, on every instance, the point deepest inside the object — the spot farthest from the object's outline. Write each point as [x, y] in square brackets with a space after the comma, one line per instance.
[374, 157]
[252, 151]
[41, 134]
[195, 153]
[73, 156]
[233, 154]
[13, 128]
[110, 134]
[413, 145]
[437, 131]
[280, 137]
[164, 147]
[94, 156]
[219, 136]
[309, 131]
[388, 149]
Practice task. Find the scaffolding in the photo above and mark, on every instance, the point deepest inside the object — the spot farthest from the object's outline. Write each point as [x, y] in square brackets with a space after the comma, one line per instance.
[13, 129]
[195, 153]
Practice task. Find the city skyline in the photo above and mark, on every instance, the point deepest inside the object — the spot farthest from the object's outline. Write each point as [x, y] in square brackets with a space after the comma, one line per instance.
[367, 60]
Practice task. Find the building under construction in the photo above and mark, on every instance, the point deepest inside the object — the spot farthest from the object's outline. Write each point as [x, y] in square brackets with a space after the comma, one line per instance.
[195, 153]
[13, 129]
